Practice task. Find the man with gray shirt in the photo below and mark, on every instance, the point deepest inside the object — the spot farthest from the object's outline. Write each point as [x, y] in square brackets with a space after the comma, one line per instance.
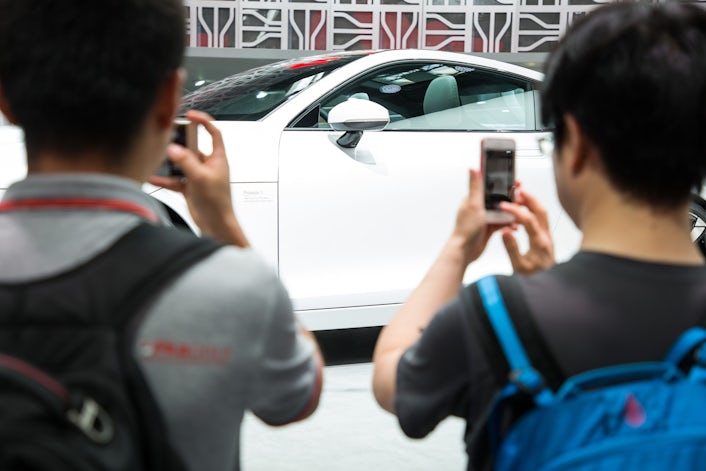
[95, 87]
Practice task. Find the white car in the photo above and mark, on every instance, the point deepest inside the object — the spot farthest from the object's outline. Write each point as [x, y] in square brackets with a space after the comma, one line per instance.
[353, 226]
[349, 209]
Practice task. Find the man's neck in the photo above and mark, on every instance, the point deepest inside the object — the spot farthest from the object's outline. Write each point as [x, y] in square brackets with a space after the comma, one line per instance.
[49, 163]
[630, 229]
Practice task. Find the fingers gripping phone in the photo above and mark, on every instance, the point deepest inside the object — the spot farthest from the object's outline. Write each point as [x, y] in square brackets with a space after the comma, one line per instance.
[498, 169]
[185, 133]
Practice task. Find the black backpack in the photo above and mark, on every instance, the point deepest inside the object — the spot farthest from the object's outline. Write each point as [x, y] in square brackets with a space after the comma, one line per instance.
[71, 394]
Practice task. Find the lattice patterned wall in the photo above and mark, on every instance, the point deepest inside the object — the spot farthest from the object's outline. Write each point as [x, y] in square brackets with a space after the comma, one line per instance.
[455, 25]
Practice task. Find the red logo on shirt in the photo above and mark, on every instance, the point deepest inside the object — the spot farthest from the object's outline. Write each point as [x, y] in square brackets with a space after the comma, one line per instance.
[169, 351]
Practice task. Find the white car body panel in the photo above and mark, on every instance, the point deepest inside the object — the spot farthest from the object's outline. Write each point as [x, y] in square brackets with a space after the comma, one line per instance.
[12, 156]
[389, 205]
[256, 207]
[252, 149]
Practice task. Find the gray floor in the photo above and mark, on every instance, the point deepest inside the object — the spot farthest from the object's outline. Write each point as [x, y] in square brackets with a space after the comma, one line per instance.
[349, 432]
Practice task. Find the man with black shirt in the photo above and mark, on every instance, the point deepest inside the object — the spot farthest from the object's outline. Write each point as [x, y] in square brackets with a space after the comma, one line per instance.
[625, 89]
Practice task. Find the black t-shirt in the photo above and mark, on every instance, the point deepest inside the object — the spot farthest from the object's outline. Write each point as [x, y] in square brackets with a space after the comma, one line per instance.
[592, 311]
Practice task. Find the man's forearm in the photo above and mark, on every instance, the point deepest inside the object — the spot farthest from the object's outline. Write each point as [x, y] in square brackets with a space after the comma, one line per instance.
[439, 286]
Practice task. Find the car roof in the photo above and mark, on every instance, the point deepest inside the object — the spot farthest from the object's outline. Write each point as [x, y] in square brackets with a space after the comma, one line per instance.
[352, 63]
[390, 55]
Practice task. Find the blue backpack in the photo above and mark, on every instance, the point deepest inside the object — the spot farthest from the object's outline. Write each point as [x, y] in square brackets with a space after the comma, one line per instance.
[639, 416]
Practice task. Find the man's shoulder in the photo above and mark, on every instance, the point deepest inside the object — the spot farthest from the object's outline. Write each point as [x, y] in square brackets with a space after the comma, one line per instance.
[587, 268]
[221, 279]
[234, 270]
[236, 258]
[231, 295]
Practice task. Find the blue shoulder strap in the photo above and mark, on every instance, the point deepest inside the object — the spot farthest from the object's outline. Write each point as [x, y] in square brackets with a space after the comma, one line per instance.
[500, 320]
[686, 343]
[694, 338]
[522, 375]
[522, 372]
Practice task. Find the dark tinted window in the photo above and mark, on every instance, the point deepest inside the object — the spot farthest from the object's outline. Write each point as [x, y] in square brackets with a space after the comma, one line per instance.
[251, 95]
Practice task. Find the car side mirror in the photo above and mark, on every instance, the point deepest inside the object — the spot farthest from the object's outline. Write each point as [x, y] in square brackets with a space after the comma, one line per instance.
[355, 116]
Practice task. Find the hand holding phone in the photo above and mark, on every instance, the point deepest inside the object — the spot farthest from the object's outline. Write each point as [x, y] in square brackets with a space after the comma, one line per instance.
[498, 169]
[185, 134]
[208, 189]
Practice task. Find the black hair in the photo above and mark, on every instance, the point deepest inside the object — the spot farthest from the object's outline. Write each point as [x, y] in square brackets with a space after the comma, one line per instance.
[80, 75]
[633, 75]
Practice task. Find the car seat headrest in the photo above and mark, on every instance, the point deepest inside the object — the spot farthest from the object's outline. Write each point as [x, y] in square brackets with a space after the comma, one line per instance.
[441, 94]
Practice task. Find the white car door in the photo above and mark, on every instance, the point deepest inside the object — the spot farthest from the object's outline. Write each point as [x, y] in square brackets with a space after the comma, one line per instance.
[12, 150]
[359, 227]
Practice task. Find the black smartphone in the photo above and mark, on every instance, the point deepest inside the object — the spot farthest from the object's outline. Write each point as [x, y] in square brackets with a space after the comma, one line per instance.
[185, 133]
[498, 169]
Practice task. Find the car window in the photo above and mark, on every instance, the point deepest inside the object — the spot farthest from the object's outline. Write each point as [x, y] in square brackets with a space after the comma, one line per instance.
[438, 96]
[253, 94]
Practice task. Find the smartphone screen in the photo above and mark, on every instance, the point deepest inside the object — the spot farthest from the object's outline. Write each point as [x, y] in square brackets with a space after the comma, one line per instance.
[498, 169]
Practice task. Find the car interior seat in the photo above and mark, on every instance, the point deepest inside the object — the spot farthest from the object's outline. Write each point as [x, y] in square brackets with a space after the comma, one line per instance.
[360, 96]
[441, 94]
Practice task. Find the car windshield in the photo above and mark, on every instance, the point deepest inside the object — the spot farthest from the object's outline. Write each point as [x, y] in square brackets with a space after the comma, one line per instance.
[253, 94]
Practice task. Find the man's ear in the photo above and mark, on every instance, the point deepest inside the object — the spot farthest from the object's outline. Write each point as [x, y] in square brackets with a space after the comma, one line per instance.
[5, 108]
[578, 147]
[169, 99]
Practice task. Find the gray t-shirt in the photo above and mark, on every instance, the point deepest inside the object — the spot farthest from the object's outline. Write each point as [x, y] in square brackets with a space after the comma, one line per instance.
[219, 340]
[593, 311]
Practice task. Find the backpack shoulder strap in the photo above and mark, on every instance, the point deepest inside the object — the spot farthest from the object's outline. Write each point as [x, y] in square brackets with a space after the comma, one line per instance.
[166, 252]
[107, 288]
[502, 324]
[504, 296]
[129, 274]
[523, 376]
[522, 318]
[687, 342]
[689, 353]
[143, 261]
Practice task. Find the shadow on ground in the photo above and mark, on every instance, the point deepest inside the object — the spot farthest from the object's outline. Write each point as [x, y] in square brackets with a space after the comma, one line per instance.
[347, 346]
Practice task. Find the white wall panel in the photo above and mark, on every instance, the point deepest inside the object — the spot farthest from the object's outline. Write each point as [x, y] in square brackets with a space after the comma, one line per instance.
[484, 26]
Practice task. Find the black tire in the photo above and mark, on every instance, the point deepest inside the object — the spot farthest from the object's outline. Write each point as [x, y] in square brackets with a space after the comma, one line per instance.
[697, 218]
